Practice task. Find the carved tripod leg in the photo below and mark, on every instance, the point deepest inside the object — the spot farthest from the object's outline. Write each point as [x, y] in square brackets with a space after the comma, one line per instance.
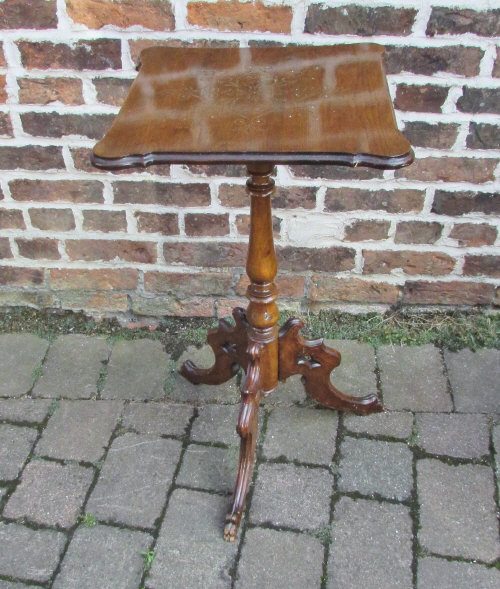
[314, 361]
[229, 344]
[251, 394]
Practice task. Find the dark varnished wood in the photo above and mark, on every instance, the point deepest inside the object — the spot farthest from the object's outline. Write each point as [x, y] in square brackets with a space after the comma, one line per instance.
[325, 104]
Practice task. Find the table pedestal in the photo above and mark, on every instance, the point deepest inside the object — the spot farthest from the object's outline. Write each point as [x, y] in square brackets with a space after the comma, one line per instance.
[266, 354]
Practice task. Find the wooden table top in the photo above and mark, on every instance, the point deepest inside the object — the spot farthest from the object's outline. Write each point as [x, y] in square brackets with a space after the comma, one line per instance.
[294, 104]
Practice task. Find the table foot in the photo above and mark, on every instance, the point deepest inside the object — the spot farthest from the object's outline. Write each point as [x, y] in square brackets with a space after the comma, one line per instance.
[315, 361]
[229, 343]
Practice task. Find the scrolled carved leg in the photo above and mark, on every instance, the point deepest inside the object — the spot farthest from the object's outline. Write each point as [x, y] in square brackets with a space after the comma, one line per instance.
[229, 343]
[315, 361]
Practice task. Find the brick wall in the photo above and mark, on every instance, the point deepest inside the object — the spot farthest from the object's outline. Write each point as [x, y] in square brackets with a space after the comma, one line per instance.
[172, 239]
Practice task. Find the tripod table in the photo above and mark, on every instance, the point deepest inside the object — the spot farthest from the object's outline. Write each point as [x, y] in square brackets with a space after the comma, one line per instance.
[260, 106]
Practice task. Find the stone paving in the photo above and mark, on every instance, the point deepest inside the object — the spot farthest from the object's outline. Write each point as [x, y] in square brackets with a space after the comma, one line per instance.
[116, 473]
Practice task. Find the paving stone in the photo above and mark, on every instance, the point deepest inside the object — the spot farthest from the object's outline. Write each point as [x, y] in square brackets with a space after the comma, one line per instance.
[180, 389]
[302, 434]
[79, 430]
[375, 467]
[280, 559]
[12, 585]
[217, 423]
[29, 554]
[72, 367]
[111, 555]
[157, 418]
[134, 480]
[208, 467]
[496, 445]
[393, 424]
[355, 374]
[457, 510]
[307, 492]
[287, 393]
[460, 435]
[190, 551]
[24, 410]
[137, 370]
[475, 379]
[50, 493]
[371, 545]
[412, 378]
[3, 490]
[15, 445]
[20, 358]
[445, 574]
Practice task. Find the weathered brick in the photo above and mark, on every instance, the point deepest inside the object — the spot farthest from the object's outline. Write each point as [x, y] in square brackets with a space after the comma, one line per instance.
[410, 262]
[79, 191]
[391, 201]
[450, 169]
[38, 248]
[242, 223]
[483, 136]
[99, 54]
[137, 45]
[418, 232]
[36, 14]
[11, 219]
[425, 98]
[232, 15]
[434, 135]
[159, 306]
[3, 63]
[335, 172]
[359, 20]
[288, 286]
[11, 276]
[52, 219]
[464, 202]
[362, 230]
[82, 161]
[53, 124]
[451, 21]
[106, 221]
[5, 251]
[431, 60]
[106, 249]
[3, 88]
[330, 259]
[5, 125]
[206, 254]
[31, 157]
[185, 195]
[95, 14]
[100, 302]
[47, 90]
[206, 283]
[482, 265]
[112, 90]
[108, 279]
[206, 224]
[473, 234]
[326, 288]
[479, 100]
[447, 293]
[165, 223]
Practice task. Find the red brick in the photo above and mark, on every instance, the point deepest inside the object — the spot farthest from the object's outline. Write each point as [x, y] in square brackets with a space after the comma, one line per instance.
[205, 283]
[165, 223]
[206, 254]
[82, 161]
[5, 251]
[330, 259]
[434, 135]
[47, 90]
[452, 21]
[206, 224]
[52, 219]
[363, 230]
[391, 201]
[162, 306]
[106, 221]
[292, 197]
[410, 262]
[143, 252]
[352, 290]
[112, 90]
[450, 169]
[3, 63]
[38, 249]
[137, 45]
[185, 195]
[426, 98]
[335, 172]
[447, 293]
[243, 225]
[474, 234]
[465, 202]
[5, 125]
[359, 20]
[289, 287]
[31, 14]
[432, 60]
[225, 307]
[483, 136]
[99, 54]
[231, 15]
[58, 190]
[3, 88]
[51, 124]
[418, 232]
[31, 157]
[484, 100]
[108, 279]
[482, 265]
[11, 219]
[95, 14]
[11, 276]
[496, 67]
[100, 302]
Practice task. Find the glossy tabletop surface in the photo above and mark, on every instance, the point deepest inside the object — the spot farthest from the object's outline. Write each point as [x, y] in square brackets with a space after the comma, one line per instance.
[295, 104]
